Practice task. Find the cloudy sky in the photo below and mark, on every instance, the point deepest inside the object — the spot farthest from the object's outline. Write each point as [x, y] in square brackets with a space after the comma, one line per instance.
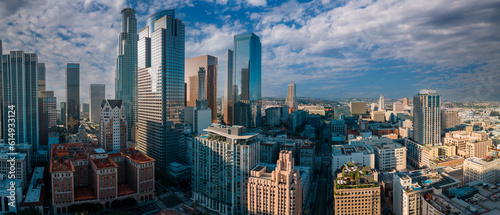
[331, 49]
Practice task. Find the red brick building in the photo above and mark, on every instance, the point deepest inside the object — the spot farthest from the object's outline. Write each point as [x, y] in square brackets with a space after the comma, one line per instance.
[82, 174]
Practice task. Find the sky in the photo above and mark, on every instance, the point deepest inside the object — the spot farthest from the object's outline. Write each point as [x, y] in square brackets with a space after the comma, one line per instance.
[330, 49]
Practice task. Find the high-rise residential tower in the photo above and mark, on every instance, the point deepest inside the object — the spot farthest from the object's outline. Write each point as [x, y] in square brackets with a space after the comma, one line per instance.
[126, 70]
[160, 86]
[381, 103]
[427, 117]
[97, 95]
[291, 100]
[72, 97]
[20, 95]
[113, 126]
[228, 88]
[246, 78]
[191, 78]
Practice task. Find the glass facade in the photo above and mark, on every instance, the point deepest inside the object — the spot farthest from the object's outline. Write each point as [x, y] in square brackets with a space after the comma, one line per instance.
[72, 97]
[427, 118]
[161, 89]
[246, 79]
[20, 89]
[97, 95]
[126, 70]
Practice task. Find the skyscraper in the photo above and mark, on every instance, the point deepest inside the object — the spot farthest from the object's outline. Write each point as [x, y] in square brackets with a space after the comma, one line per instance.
[1, 93]
[72, 97]
[113, 126]
[228, 86]
[381, 103]
[126, 70]
[160, 87]
[192, 66]
[427, 117]
[41, 79]
[97, 95]
[46, 107]
[63, 113]
[246, 79]
[449, 118]
[405, 102]
[20, 91]
[290, 99]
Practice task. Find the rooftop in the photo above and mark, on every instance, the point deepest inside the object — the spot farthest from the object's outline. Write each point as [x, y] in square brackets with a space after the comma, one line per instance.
[35, 187]
[482, 161]
[346, 150]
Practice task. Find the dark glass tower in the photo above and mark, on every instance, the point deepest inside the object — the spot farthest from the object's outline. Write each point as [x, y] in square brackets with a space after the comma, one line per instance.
[126, 69]
[72, 97]
[246, 79]
[160, 86]
[20, 91]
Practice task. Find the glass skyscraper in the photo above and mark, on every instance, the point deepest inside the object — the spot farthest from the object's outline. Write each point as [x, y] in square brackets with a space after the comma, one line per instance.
[72, 97]
[20, 89]
[160, 86]
[427, 117]
[97, 95]
[246, 79]
[126, 69]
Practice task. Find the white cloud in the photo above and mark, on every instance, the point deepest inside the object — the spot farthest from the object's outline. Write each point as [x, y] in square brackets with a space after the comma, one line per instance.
[257, 3]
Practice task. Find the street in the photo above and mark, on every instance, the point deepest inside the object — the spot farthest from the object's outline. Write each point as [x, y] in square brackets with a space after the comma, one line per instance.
[321, 194]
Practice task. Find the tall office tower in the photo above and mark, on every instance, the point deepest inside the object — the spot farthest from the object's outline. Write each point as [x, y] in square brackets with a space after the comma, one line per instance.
[192, 66]
[405, 102]
[20, 91]
[1, 93]
[381, 103]
[246, 80]
[72, 97]
[113, 125]
[449, 118]
[41, 79]
[126, 70]
[199, 117]
[228, 88]
[291, 100]
[427, 117]
[222, 161]
[276, 192]
[47, 111]
[97, 95]
[63, 113]
[160, 87]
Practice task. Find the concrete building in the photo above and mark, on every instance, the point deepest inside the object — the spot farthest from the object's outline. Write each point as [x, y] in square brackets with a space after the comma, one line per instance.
[97, 95]
[228, 101]
[222, 160]
[20, 96]
[358, 108]
[276, 192]
[314, 121]
[35, 196]
[427, 117]
[72, 97]
[126, 69]
[356, 190]
[291, 99]
[295, 119]
[485, 169]
[63, 113]
[192, 65]
[397, 107]
[381, 103]
[390, 156]
[342, 154]
[87, 175]
[452, 161]
[160, 128]
[405, 102]
[314, 110]
[468, 143]
[409, 187]
[341, 111]
[418, 155]
[378, 116]
[47, 119]
[273, 115]
[269, 151]
[6, 192]
[475, 148]
[449, 118]
[21, 164]
[113, 126]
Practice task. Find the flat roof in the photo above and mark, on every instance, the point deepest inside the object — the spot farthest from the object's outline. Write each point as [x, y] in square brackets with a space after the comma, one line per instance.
[35, 188]
[481, 161]
[244, 136]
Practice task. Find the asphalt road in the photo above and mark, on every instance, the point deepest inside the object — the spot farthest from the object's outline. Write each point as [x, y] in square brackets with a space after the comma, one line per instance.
[321, 194]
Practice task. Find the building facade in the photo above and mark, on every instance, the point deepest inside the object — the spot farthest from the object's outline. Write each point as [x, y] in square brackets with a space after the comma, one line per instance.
[160, 86]
[427, 117]
[210, 63]
[484, 169]
[20, 97]
[291, 99]
[97, 95]
[113, 126]
[47, 116]
[72, 97]
[381, 103]
[86, 175]
[245, 77]
[228, 88]
[390, 156]
[222, 160]
[449, 118]
[276, 192]
[126, 70]
[358, 108]
[342, 154]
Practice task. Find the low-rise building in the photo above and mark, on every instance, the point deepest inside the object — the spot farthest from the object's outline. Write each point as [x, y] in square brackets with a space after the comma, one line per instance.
[485, 169]
[342, 154]
[356, 190]
[35, 197]
[451, 161]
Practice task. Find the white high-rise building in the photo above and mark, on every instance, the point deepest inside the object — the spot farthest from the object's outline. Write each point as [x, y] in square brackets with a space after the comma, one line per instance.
[381, 104]
[291, 100]
[427, 117]
[390, 156]
[222, 160]
[113, 125]
[342, 154]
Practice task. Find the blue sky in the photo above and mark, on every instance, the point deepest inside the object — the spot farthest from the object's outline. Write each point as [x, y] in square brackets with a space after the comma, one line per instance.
[331, 49]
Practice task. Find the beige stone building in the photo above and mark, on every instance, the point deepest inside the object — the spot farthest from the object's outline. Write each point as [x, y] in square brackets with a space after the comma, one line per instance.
[358, 107]
[356, 191]
[449, 118]
[484, 169]
[276, 192]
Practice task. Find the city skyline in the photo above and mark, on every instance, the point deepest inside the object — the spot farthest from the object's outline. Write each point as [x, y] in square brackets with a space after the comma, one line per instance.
[321, 66]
